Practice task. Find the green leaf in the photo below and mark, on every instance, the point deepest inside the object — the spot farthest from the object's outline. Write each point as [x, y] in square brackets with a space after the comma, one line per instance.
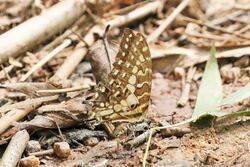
[239, 95]
[210, 92]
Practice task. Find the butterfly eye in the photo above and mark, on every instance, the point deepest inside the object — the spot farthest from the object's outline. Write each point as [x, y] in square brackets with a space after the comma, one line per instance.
[133, 106]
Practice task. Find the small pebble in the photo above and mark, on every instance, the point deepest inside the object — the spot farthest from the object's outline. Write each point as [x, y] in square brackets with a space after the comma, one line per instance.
[33, 146]
[62, 149]
[30, 161]
[91, 141]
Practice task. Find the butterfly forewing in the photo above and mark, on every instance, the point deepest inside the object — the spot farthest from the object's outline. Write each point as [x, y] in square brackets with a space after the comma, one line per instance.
[126, 92]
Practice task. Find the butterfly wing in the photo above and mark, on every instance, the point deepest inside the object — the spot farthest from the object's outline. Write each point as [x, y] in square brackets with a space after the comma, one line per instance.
[126, 92]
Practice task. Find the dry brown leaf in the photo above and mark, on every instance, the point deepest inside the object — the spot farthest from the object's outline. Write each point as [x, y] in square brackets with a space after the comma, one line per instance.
[99, 60]
[73, 106]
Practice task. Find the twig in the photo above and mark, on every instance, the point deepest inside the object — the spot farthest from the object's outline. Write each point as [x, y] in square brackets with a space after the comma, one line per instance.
[224, 19]
[5, 73]
[215, 27]
[73, 89]
[43, 152]
[242, 7]
[125, 9]
[49, 56]
[186, 89]
[152, 37]
[76, 135]
[196, 59]
[104, 39]
[28, 102]
[15, 149]
[139, 139]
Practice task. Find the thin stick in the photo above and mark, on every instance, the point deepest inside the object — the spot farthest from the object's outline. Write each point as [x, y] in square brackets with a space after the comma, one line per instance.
[169, 19]
[15, 149]
[6, 73]
[215, 27]
[43, 152]
[105, 45]
[125, 9]
[139, 140]
[49, 56]
[73, 89]
[186, 88]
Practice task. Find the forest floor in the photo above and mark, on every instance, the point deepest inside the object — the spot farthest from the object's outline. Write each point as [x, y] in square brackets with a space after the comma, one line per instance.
[48, 69]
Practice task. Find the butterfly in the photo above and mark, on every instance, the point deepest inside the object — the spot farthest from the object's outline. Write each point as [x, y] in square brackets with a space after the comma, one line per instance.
[125, 94]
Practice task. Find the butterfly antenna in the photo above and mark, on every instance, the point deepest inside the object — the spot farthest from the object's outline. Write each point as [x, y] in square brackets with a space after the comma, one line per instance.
[105, 45]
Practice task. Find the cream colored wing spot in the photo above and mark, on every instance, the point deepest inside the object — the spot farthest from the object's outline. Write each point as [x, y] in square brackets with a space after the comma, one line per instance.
[124, 75]
[117, 93]
[124, 103]
[132, 100]
[126, 46]
[102, 104]
[119, 62]
[130, 35]
[132, 79]
[115, 72]
[131, 88]
[138, 63]
[123, 54]
[135, 49]
[127, 65]
[144, 49]
[117, 107]
[106, 104]
[137, 43]
[106, 112]
[111, 82]
[102, 89]
[96, 95]
[141, 58]
[127, 39]
[135, 69]
[141, 39]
